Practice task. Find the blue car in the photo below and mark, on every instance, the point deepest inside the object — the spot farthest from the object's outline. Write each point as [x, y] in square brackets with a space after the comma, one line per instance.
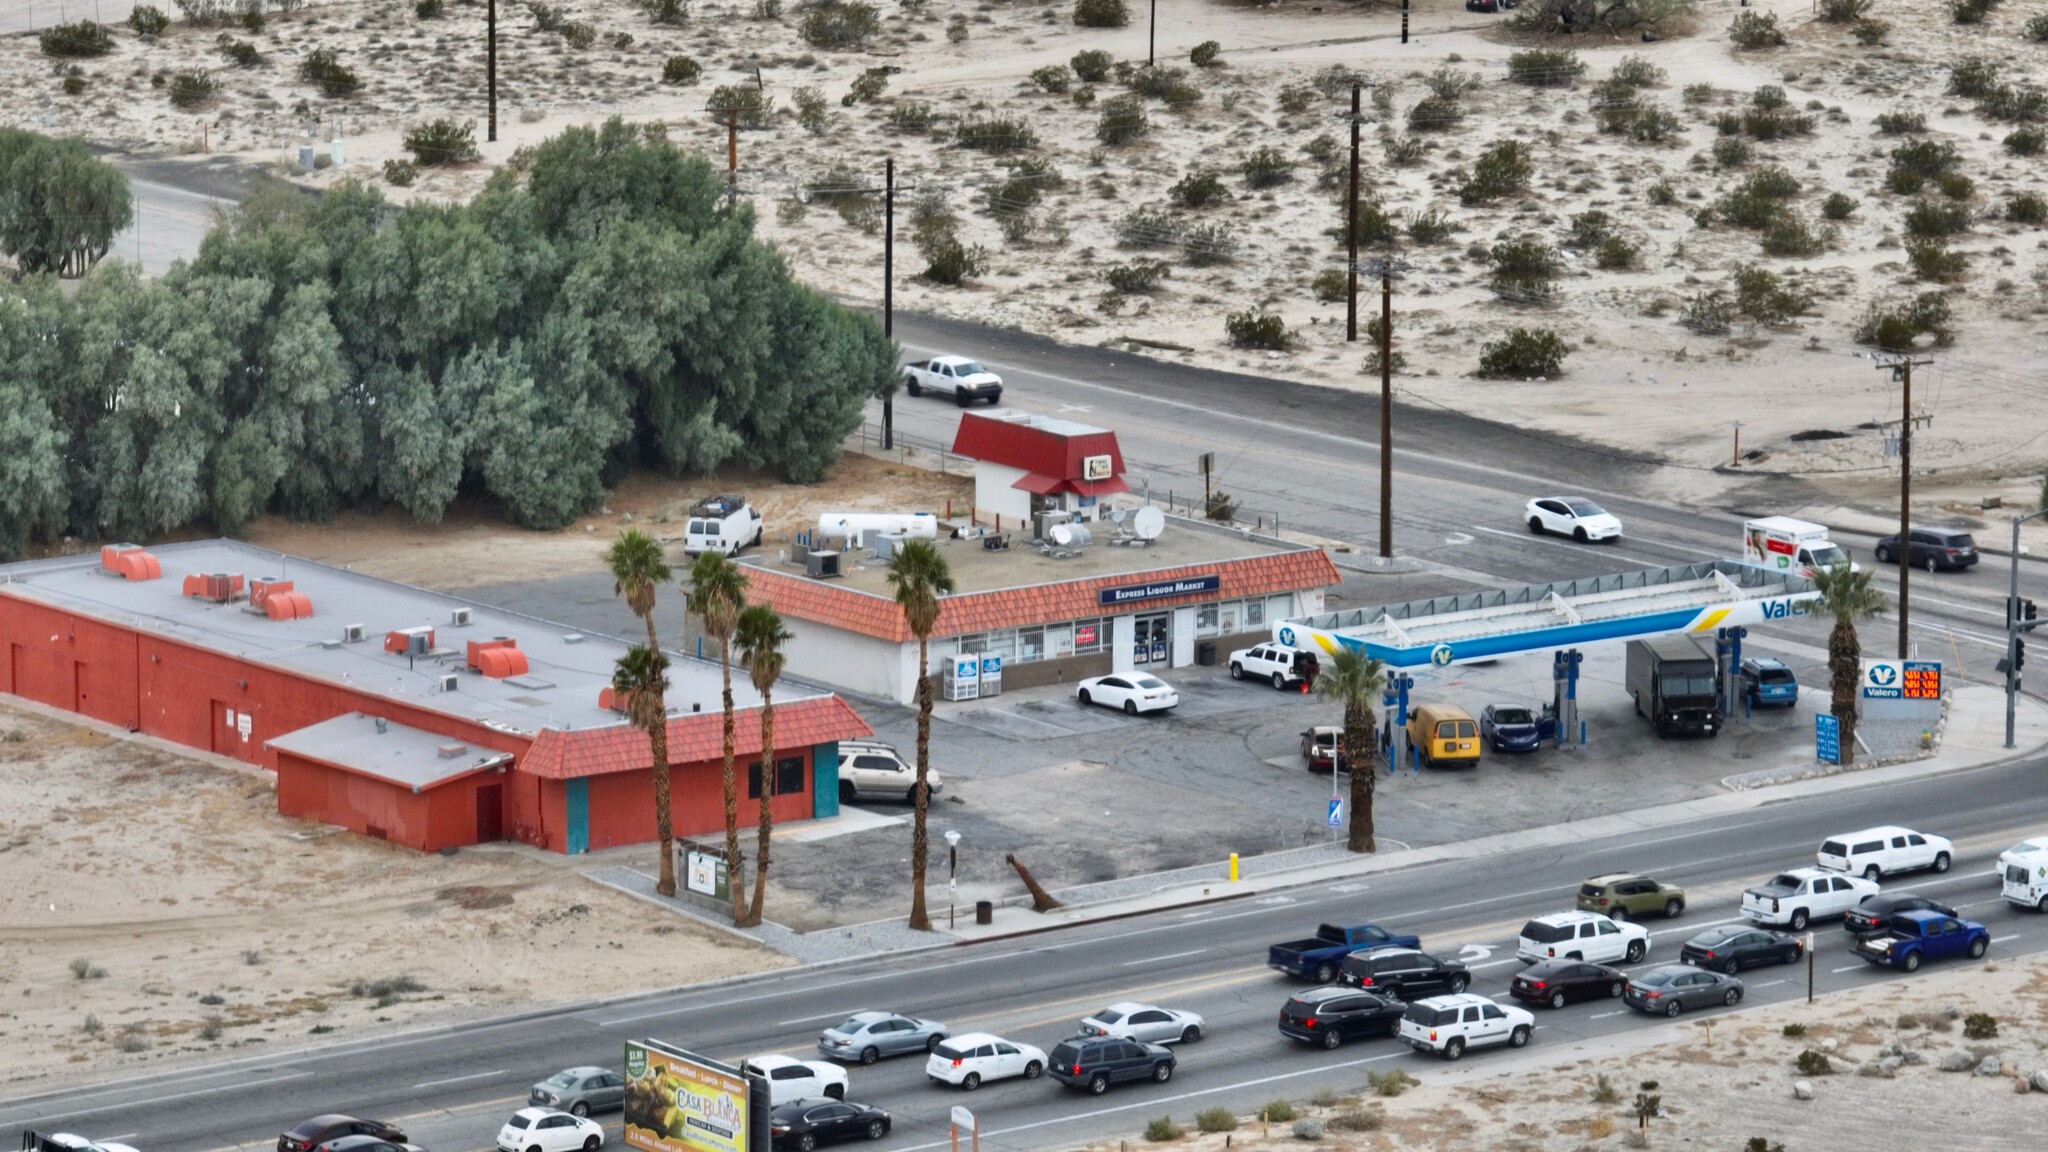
[1514, 728]
[1767, 683]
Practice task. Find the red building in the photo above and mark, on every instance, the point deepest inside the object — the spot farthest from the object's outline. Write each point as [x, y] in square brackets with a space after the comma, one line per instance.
[421, 718]
[1025, 463]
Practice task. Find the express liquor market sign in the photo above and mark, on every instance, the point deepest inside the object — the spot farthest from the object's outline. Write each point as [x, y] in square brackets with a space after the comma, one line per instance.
[1158, 590]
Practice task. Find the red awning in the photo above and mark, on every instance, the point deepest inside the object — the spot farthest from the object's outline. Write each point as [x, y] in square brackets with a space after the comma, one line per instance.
[1040, 484]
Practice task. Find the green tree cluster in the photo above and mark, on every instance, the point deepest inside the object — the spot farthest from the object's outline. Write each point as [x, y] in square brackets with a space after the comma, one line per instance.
[604, 310]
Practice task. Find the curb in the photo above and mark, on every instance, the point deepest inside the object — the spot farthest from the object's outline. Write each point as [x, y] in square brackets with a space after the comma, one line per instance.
[1044, 928]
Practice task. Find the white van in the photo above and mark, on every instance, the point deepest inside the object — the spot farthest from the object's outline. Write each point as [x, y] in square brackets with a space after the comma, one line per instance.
[723, 524]
[2025, 881]
[1876, 852]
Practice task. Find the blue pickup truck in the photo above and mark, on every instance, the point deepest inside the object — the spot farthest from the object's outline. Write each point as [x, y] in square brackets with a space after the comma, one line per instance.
[1319, 957]
[1911, 937]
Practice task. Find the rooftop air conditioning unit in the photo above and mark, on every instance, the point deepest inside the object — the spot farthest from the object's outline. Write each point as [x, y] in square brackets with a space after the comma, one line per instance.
[353, 634]
[450, 682]
[459, 618]
[819, 565]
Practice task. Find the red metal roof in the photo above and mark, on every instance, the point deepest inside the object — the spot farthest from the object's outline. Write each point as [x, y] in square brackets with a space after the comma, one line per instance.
[1055, 449]
[801, 598]
[693, 739]
[1043, 485]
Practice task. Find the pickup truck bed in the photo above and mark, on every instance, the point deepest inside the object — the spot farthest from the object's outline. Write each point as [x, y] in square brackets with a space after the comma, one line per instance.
[1321, 957]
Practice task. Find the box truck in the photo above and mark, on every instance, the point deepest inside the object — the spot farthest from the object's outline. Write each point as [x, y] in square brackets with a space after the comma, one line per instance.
[1798, 547]
[1676, 682]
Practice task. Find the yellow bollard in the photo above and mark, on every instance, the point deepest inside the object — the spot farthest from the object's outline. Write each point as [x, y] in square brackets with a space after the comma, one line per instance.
[1233, 867]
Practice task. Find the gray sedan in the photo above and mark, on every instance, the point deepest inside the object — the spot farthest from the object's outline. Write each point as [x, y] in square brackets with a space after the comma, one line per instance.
[1673, 988]
[580, 1091]
[869, 1036]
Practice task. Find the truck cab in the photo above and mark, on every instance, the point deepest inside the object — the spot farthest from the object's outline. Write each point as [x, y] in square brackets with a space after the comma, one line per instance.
[2024, 879]
[1798, 547]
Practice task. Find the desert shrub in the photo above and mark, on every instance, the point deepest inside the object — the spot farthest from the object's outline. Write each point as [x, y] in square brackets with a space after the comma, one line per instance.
[996, 134]
[1358, 1120]
[1503, 169]
[1789, 235]
[240, 53]
[1759, 199]
[1265, 167]
[1838, 206]
[1764, 297]
[546, 17]
[400, 173]
[1429, 226]
[1403, 151]
[148, 20]
[1123, 120]
[1278, 1111]
[680, 70]
[2017, 103]
[1767, 96]
[1101, 13]
[1336, 80]
[1917, 161]
[441, 142]
[1900, 123]
[1052, 78]
[1524, 269]
[1980, 1026]
[1330, 285]
[1972, 77]
[323, 69]
[1637, 72]
[1434, 114]
[1732, 152]
[2036, 28]
[579, 34]
[252, 15]
[211, 1028]
[1092, 66]
[428, 9]
[1754, 30]
[1589, 228]
[665, 11]
[83, 39]
[1148, 228]
[2027, 208]
[1872, 33]
[1524, 354]
[839, 24]
[133, 1039]
[2026, 141]
[1604, 1091]
[1324, 147]
[1932, 260]
[1163, 1129]
[1661, 194]
[1843, 11]
[1708, 313]
[957, 31]
[1205, 244]
[1394, 1082]
[1775, 123]
[1654, 125]
[1296, 98]
[74, 82]
[950, 262]
[1897, 324]
[1546, 67]
[812, 110]
[1255, 329]
[866, 87]
[1205, 53]
[1812, 1063]
[192, 89]
[748, 105]
[1376, 225]
[1444, 83]
[911, 116]
[1930, 219]
[1969, 11]
[1614, 105]
[1218, 1119]
[1137, 278]
[1199, 189]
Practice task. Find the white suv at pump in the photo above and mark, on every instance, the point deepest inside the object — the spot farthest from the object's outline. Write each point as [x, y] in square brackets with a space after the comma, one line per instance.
[1447, 1025]
[873, 771]
[1587, 936]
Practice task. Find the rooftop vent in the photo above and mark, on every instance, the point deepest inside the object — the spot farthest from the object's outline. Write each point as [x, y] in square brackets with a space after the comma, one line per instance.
[219, 587]
[353, 634]
[129, 562]
[450, 681]
[819, 565]
[497, 658]
[451, 751]
[416, 641]
[613, 700]
[459, 618]
[277, 600]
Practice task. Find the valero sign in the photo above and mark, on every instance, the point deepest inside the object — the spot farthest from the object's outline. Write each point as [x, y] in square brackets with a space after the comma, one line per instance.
[678, 1102]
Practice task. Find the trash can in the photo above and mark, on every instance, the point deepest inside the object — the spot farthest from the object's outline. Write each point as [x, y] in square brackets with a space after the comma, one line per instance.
[1205, 653]
[984, 912]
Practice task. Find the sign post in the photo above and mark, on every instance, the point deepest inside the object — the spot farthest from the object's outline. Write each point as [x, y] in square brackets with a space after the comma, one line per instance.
[962, 1118]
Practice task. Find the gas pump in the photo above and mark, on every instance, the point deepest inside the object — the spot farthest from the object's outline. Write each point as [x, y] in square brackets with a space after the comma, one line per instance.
[1395, 697]
[1564, 675]
[1728, 658]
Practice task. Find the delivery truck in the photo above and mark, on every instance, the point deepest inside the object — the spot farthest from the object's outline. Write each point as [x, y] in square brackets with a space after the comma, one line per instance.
[1676, 682]
[1797, 547]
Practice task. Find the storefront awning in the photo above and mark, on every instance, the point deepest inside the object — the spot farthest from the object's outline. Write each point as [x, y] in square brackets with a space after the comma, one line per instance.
[1039, 484]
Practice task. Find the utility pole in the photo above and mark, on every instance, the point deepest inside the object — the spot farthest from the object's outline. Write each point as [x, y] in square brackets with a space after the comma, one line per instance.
[728, 116]
[1404, 21]
[1152, 37]
[1386, 268]
[889, 290]
[2017, 620]
[491, 67]
[1902, 370]
[1351, 229]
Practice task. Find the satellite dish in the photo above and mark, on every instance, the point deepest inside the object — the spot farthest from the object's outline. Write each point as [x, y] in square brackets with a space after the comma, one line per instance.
[1116, 516]
[1148, 522]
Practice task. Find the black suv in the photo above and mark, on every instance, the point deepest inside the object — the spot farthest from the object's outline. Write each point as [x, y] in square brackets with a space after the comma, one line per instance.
[1096, 1062]
[1403, 973]
[1330, 1016]
[1933, 549]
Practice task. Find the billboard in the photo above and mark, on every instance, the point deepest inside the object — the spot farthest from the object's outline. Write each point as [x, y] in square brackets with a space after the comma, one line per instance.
[677, 1102]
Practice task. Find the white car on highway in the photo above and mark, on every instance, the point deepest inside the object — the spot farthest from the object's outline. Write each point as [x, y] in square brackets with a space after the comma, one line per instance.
[1573, 516]
[1146, 1022]
[2027, 847]
[1134, 692]
[970, 1060]
[1791, 899]
[1588, 936]
[792, 1079]
[1878, 852]
[547, 1130]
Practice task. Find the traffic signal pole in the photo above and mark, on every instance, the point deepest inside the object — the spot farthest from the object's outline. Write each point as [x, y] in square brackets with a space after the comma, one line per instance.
[2015, 623]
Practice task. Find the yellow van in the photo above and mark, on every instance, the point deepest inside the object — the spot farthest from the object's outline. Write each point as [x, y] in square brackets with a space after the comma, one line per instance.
[1444, 734]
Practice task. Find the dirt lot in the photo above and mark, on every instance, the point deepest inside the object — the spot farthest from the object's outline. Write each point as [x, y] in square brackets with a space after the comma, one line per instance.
[188, 918]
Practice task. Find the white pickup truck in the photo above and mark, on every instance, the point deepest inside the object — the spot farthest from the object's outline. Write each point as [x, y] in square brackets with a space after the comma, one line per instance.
[957, 376]
[1802, 894]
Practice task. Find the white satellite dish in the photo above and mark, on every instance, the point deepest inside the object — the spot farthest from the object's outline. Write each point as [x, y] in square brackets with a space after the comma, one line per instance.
[1116, 515]
[1148, 522]
[1072, 535]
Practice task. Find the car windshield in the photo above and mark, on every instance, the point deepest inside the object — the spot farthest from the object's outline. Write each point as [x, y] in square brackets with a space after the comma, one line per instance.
[1782, 882]
[1512, 716]
[518, 1121]
[1829, 556]
[850, 1025]
[1657, 977]
[1774, 675]
[1107, 1016]
[1676, 684]
[1543, 933]
[1326, 739]
[1960, 540]
[967, 368]
[561, 1080]
[948, 1052]
[2024, 846]
[1148, 682]
[1716, 936]
[1585, 508]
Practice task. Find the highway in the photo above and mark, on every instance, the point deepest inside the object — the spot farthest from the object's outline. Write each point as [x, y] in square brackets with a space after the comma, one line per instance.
[452, 1087]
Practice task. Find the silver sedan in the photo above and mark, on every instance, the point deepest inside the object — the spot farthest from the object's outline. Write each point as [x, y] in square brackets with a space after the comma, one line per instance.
[869, 1036]
[1146, 1022]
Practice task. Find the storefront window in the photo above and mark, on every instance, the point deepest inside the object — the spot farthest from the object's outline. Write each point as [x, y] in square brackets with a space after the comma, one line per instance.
[1229, 610]
[1254, 613]
[972, 642]
[1279, 607]
[1030, 644]
[1003, 644]
[1205, 620]
[789, 777]
[1059, 641]
[1090, 636]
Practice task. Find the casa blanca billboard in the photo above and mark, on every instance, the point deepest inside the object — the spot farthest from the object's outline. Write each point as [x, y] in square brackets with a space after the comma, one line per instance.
[679, 1102]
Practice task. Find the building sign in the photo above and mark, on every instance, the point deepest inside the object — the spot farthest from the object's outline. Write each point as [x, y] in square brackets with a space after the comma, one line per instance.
[1095, 468]
[1084, 635]
[1902, 680]
[1827, 739]
[1158, 590]
[676, 1102]
[704, 873]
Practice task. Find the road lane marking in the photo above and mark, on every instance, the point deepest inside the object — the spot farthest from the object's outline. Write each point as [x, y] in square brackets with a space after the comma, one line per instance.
[2003, 939]
[1850, 968]
[460, 1079]
[1605, 1015]
[1157, 959]
[814, 1019]
[45, 1119]
[1772, 984]
[1547, 540]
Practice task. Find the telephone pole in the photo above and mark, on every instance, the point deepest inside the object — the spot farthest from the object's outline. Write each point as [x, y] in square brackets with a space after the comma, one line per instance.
[1152, 37]
[1351, 229]
[889, 291]
[491, 68]
[1902, 371]
[1386, 267]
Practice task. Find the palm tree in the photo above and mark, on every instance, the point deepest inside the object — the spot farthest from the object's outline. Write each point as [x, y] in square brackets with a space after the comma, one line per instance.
[638, 568]
[718, 590]
[1355, 680]
[1846, 595]
[919, 575]
[641, 677]
[760, 636]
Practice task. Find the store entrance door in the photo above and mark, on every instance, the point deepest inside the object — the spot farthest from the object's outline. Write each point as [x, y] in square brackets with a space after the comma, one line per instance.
[1154, 640]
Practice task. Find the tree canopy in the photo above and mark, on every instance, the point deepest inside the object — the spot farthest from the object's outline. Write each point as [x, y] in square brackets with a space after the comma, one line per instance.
[598, 309]
[59, 206]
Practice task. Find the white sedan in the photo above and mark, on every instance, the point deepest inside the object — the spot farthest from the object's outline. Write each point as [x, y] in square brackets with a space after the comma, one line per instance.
[1134, 692]
[966, 1061]
[546, 1130]
[1146, 1022]
[1573, 516]
[792, 1079]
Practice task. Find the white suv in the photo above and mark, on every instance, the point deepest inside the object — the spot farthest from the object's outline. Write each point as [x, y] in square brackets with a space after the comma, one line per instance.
[870, 771]
[792, 1079]
[1587, 936]
[1277, 664]
[1803, 894]
[1447, 1025]
[1876, 852]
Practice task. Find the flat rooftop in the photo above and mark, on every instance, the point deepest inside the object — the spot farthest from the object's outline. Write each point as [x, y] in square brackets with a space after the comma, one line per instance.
[387, 750]
[1024, 563]
[566, 668]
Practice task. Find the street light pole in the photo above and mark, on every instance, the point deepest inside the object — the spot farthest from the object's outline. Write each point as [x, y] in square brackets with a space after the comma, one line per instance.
[1351, 229]
[1152, 38]
[889, 292]
[2013, 625]
[952, 872]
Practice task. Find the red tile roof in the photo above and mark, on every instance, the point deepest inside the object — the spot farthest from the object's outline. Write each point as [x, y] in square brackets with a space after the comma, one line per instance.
[802, 598]
[693, 739]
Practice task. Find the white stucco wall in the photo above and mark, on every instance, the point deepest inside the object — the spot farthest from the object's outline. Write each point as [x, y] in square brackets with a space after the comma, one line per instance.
[849, 660]
[995, 496]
